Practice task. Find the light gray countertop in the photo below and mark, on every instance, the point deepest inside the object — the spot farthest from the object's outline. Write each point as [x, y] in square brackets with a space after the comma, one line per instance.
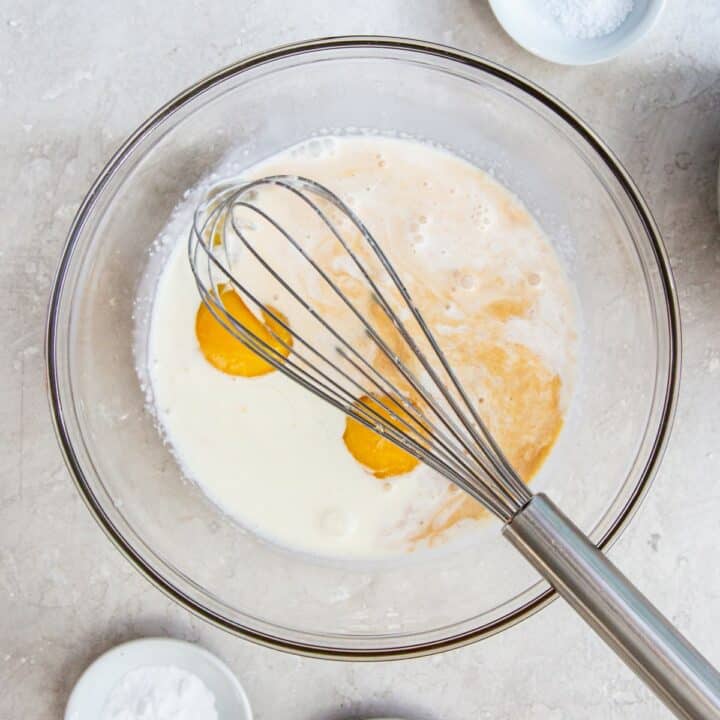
[75, 78]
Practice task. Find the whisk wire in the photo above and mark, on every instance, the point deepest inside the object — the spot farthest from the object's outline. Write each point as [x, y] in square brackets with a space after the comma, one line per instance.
[443, 460]
[407, 374]
[497, 458]
[459, 447]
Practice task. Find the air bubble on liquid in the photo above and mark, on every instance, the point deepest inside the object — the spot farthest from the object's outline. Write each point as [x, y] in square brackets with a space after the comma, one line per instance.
[533, 279]
[336, 522]
[467, 282]
[480, 215]
[422, 220]
[315, 148]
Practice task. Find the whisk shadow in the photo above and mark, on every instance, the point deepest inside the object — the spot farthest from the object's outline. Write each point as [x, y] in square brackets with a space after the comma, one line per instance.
[377, 709]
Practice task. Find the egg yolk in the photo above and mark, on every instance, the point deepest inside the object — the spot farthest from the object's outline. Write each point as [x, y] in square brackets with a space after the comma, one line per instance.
[378, 454]
[224, 351]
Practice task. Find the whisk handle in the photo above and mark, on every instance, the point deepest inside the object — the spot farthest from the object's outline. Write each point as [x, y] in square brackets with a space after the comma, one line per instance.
[682, 678]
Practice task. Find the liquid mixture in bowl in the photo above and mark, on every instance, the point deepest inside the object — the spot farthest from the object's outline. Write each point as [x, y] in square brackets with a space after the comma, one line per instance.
[293, 469]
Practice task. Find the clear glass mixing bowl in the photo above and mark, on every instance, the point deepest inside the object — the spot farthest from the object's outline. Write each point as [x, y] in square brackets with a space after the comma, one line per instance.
[617, 425]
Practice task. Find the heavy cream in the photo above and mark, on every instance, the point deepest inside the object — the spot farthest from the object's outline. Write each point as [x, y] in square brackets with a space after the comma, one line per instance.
[271, 455]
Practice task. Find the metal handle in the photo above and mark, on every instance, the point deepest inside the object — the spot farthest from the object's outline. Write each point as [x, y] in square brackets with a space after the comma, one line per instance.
[682, 678]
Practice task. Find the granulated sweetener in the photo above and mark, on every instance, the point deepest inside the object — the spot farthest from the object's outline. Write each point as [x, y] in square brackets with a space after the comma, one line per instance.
[587, 19]
[160, 693]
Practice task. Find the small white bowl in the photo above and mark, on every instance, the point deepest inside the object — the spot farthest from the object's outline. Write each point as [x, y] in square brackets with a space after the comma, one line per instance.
[530, 24]
[91, 691]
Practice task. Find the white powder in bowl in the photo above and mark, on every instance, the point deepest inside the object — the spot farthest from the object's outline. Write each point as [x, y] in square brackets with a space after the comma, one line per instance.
[587, 19]
[160, 693]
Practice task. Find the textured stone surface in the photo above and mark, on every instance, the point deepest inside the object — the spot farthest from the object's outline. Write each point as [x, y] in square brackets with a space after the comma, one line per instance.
[75, 79]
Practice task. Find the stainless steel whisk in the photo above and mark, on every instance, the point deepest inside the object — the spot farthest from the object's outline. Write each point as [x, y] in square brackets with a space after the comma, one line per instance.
[419, 403]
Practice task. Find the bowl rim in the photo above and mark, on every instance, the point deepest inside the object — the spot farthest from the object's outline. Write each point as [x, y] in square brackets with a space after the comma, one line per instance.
[342, 43]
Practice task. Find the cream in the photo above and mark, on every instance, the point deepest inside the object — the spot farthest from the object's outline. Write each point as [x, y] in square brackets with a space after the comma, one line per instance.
[271, 455]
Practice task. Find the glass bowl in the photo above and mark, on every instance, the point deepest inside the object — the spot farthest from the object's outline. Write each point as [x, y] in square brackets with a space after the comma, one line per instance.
[616, 427]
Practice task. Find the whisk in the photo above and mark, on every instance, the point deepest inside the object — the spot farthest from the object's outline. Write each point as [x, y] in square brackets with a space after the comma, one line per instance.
[413, 397]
